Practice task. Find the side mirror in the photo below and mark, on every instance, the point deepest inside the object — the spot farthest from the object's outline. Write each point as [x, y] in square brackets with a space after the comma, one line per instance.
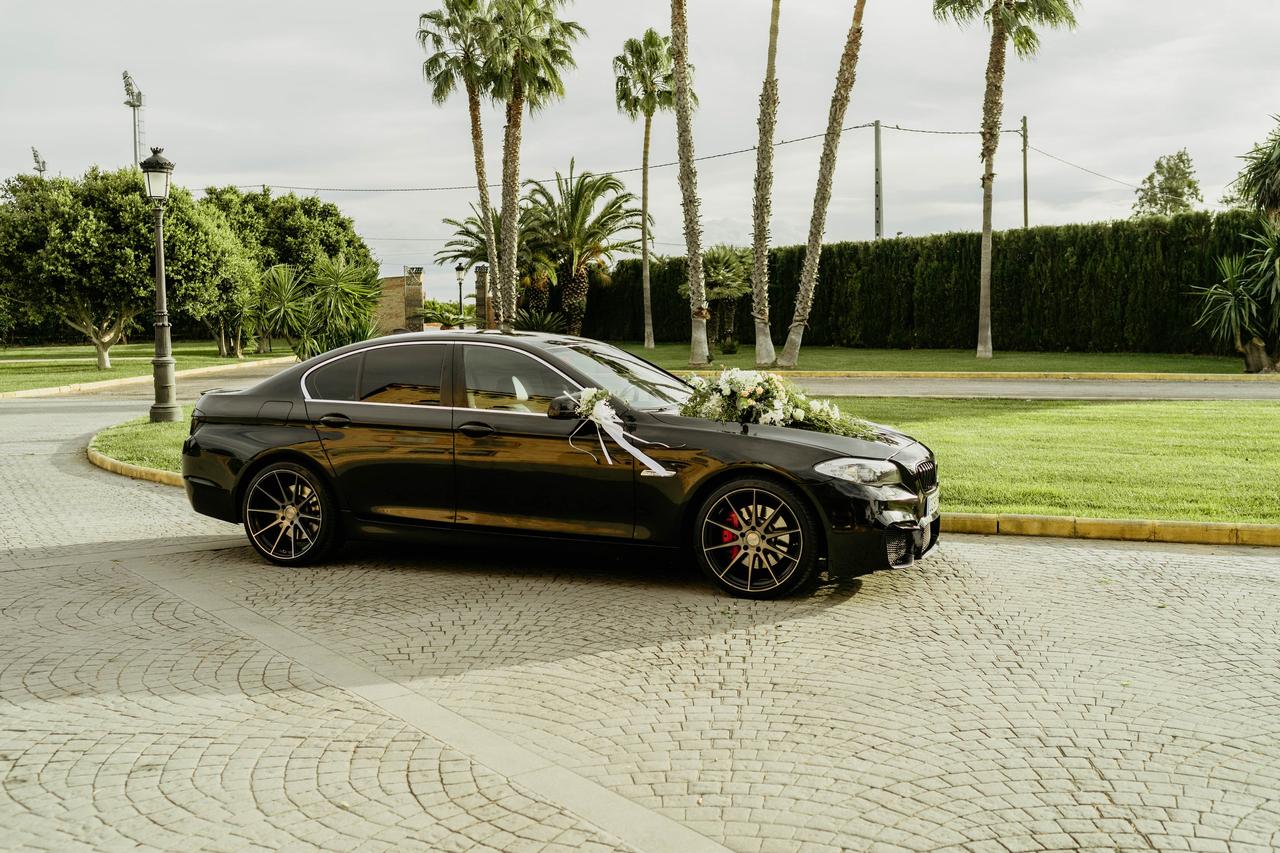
[563, 408]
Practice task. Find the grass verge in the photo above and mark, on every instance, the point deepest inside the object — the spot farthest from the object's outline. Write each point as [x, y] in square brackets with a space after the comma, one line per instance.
[1186, 461]
[53, 366]
[676, 357]
[140, 442]
[1193, 461]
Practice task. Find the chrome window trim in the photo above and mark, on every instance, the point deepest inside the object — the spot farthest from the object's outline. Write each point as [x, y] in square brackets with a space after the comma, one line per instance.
[306, 395]
[307, 398]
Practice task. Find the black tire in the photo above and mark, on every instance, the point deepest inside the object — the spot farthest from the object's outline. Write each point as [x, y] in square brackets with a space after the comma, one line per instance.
[757, 538]
[289, 515]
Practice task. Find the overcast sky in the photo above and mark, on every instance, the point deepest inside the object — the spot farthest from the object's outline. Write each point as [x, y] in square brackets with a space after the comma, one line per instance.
[330, 94]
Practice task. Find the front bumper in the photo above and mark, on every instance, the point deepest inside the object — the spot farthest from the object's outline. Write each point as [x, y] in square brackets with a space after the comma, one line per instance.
[871, 528]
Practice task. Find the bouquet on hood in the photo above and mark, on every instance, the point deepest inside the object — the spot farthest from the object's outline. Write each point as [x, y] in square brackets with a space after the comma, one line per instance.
[759, 397]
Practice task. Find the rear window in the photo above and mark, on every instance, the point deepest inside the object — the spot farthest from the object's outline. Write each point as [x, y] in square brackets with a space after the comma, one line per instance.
[335, 380]
[403, 375]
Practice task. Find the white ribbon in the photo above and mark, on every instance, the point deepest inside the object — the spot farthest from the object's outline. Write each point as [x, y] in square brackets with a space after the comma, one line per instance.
[605, 418]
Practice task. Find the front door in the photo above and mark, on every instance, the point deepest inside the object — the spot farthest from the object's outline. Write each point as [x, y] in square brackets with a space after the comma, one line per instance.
[515, 467]
[381, 416]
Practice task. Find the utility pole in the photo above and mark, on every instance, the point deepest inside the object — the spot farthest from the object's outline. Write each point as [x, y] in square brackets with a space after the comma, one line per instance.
[879, 187]
[1026, 210]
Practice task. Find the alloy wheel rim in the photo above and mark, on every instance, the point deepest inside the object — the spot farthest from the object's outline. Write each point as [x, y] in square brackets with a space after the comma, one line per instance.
[283, 514]
[751, 539]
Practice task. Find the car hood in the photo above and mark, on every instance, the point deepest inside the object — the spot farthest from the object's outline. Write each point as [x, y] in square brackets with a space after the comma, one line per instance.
[891, 443]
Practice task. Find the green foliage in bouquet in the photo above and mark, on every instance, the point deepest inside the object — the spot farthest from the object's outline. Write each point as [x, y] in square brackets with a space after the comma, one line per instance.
[758, 397]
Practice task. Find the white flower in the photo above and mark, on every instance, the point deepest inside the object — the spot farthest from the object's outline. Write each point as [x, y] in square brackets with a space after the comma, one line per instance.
[797, 414]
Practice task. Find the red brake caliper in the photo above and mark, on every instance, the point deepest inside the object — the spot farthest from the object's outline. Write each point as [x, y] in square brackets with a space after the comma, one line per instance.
[727, 536]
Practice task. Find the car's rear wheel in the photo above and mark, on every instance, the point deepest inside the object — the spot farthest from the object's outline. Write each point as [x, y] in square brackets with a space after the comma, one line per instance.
[756, 538]
[289, 515]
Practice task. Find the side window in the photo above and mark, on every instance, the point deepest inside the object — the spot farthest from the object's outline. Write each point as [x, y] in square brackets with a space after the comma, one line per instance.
[506, 380]
[404, 375]
[336, 380]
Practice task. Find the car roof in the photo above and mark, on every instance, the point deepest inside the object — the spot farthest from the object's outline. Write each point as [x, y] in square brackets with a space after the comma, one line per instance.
[529, 340]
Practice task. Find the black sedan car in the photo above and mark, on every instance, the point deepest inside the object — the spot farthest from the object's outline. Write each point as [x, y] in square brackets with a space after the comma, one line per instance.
[477, 432]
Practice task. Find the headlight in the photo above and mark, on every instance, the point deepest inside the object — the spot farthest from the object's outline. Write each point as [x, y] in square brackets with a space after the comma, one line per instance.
[869, 472]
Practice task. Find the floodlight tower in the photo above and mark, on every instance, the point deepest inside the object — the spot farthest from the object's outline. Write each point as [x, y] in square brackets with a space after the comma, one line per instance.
[41, 165]
[133, 100]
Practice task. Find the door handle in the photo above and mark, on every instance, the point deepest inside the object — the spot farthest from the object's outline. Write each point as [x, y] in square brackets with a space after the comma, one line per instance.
[335, 421]
[475, 429]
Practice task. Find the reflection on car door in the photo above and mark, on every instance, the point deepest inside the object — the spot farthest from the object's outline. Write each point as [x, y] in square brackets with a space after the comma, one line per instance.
[388, 435]
[515, 466]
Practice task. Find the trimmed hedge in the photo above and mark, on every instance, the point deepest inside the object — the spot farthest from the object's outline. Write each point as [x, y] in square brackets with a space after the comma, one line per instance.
[1104, 287]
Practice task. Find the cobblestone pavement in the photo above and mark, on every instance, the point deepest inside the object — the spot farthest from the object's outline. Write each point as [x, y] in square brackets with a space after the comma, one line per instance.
[162, 688]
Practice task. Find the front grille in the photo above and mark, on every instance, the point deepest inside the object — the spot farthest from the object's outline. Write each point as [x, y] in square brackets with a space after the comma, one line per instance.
[927, 475]
[897, 545]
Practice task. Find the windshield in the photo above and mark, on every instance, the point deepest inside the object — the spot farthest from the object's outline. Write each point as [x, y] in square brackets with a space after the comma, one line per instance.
[632, 380]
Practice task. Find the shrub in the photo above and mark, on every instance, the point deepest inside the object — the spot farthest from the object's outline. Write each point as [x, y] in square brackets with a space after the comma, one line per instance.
[1119, 286]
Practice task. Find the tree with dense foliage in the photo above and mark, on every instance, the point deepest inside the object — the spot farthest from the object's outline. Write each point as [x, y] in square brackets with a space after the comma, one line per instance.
[644, 82]
[1010, 21]
[222, 278]
[1170, 188]
[762, 202]
[453, 37]
[1242, 308]
[527, 46]
[586, 221]
[846, 73]
[288, 229]
[80, 250]
[340, 301]
[1258, 185]
[699, 351]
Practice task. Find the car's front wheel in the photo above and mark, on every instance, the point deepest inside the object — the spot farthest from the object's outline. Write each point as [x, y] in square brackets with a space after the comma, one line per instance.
[289, 515]
[755, 538]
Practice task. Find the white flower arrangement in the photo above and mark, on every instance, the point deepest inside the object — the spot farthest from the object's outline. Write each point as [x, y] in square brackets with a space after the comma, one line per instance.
[758, 397]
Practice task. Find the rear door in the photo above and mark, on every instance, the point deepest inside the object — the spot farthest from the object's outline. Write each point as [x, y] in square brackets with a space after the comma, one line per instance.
[515, 467]
[383, 420]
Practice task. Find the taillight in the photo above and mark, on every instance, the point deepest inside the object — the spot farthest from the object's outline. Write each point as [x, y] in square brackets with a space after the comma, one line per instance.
[197, 418]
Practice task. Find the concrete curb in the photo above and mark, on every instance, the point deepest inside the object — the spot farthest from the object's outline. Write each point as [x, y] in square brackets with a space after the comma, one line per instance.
[146, 377]
[978, 374]
[1120, 529]
[1061, 526]
[137, 472]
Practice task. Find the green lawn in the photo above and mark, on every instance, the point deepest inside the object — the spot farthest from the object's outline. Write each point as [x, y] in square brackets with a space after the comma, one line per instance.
[676, 357]
[51, 366]
[141, 442]
[1199, 461]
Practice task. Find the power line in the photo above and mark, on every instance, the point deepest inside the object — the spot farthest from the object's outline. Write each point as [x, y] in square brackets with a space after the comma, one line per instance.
[453, 188]
[1096, 174]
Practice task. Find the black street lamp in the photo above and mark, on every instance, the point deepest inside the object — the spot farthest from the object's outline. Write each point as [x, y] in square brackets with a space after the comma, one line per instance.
[461, 272]
[157, 169]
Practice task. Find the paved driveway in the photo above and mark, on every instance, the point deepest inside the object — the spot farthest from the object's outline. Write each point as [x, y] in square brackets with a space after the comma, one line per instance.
[161, 688]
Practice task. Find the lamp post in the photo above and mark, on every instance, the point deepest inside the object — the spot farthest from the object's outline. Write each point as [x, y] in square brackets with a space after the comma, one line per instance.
[461, 272]
[157, 169]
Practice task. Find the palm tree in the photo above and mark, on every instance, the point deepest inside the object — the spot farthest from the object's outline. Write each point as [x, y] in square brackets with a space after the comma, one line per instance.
[583, 223]
[644, 84]
[699, 352]
[527, 47]
[455, 54]
[761, 206]
[1010, 21]
[469, 246]
[1259, 182]
[845, 74]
